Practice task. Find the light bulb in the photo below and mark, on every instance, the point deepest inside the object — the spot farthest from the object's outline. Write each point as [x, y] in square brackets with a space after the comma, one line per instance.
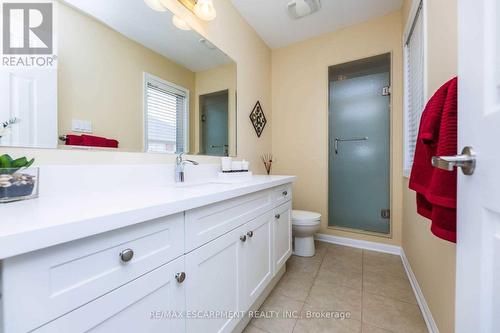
[302, 8]
[155, 5]
[180, 23]
[205, 10]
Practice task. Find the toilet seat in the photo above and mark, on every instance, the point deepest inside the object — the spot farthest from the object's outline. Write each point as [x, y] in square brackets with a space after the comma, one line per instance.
[305, 218]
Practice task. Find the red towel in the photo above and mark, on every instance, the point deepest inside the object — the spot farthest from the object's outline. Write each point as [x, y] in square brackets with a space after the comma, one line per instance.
[97, 141]
[437, 189]
[90, 141]
[74, 140]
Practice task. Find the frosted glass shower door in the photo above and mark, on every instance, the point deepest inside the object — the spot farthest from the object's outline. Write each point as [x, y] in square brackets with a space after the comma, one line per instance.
[359, 153]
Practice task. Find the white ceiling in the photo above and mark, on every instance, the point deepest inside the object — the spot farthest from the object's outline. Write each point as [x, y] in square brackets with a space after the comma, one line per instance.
[271, 21]
[154, 30]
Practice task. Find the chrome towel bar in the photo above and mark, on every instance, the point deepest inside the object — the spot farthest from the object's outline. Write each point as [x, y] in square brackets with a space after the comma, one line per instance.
[337, 140]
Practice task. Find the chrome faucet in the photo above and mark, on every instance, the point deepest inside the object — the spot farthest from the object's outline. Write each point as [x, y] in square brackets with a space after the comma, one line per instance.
[179, 167]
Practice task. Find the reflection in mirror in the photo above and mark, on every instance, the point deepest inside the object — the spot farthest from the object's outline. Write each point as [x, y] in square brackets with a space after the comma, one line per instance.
[127, 79]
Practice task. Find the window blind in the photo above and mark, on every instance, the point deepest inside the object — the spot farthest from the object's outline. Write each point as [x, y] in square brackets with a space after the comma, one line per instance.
[166, 118]
[414, 74]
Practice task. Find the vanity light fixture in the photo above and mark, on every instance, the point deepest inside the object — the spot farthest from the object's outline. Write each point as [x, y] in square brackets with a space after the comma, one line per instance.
[180, 23]
[155, 5]
[204, 9]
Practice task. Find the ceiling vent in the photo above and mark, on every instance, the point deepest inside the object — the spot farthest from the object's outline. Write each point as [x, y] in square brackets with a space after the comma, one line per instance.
[302, 8]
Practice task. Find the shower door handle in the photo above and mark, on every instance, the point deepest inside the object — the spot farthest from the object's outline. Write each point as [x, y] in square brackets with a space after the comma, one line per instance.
[337, 140]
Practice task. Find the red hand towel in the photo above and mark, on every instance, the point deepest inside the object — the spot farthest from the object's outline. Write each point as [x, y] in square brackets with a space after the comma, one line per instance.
[97, 141]
[90, 141]
[437, 189]
[111, 143]
[74, 140]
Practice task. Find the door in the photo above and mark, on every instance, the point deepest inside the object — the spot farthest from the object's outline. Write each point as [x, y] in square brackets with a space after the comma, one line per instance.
[30, 96]
[213, 284]
[478, 228]
[282, 234]
[150, 303]
[214, 123]
[257, 257]
[359, 138]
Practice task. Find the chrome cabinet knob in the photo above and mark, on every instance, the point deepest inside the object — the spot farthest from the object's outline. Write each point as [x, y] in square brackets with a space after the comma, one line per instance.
[277, 216]
[285, 193]
[126, 255]
[250, 234]
[180, 277]
[243, 238]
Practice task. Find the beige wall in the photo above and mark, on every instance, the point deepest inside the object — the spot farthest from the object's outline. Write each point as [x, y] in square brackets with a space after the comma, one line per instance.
[100, 78]
[432, 259]
[210, 81]
[237, 39]
[300, 112]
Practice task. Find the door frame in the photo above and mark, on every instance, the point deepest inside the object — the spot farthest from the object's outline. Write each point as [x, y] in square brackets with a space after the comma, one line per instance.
[200, 118]
[392, 176]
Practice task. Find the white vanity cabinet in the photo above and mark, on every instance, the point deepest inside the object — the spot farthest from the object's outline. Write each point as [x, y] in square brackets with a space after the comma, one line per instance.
[41, 286]
[194, 271]
[226, 276]
[148, 304]
[214, 278]
[257, 257]
[282, 230]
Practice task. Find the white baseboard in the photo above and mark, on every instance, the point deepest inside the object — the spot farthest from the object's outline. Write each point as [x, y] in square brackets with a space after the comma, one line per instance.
[360, 244]
[392, 249]
[426, 312]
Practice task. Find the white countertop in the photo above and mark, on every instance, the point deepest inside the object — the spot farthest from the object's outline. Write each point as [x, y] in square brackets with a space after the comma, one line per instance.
[54, 219]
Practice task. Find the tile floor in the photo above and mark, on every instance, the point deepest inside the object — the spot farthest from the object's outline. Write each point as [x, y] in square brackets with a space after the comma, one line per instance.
[372, 287]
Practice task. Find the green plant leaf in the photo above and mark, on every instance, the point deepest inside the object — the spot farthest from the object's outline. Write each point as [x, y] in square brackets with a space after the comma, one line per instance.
[5, 161]
[30, 162]
[20, 162]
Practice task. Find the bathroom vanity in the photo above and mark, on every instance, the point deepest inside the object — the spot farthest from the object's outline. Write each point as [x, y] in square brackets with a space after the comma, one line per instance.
[175, 258]
[120, 247]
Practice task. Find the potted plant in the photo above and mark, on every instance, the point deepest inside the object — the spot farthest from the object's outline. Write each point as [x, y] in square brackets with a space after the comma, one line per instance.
[6, 125]
[14, 184]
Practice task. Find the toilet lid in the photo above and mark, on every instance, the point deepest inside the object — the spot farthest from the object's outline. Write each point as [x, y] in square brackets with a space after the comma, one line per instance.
[305, 217]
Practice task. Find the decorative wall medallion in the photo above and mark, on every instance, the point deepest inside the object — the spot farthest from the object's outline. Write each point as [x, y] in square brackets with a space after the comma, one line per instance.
[258, 119]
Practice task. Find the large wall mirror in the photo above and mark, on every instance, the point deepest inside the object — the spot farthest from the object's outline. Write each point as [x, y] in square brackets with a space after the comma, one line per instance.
[127, 79]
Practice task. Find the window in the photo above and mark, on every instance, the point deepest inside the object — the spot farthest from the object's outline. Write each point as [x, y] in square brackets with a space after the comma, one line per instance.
[166, 108]
[414, 84]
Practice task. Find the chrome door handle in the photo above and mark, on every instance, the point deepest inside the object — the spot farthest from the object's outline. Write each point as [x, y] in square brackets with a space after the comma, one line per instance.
[243, 238]
[337, 140]
[277, 216]
[466, 161]
[180, 277]
[250, 234]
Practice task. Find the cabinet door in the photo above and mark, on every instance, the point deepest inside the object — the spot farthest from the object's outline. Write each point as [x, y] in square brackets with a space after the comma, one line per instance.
[214, 275]
[147, 304]
[282, 231]
[257, 257]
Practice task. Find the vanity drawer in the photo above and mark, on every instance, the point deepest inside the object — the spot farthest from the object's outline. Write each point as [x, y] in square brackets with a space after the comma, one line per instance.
[41, 286]
[282, 194]
[207, 223]
[139, 306]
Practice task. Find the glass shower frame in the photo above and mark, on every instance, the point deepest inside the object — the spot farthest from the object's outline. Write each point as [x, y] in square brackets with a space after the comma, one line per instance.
[331, 144]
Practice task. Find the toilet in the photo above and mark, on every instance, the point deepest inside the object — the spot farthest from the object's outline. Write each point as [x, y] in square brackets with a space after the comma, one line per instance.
[304, 225]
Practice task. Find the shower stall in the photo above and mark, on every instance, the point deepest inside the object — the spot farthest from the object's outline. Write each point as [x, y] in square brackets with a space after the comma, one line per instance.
[359, 145]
